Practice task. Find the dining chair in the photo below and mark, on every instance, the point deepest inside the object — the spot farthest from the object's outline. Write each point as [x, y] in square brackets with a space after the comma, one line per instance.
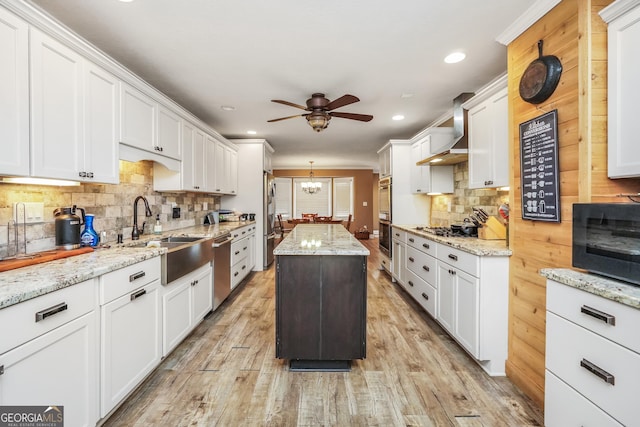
[310, 216]
[322, 219]
[348, 226]
[280, 229]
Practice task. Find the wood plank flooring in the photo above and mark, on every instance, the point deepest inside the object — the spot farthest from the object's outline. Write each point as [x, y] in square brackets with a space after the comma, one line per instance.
[226, 374]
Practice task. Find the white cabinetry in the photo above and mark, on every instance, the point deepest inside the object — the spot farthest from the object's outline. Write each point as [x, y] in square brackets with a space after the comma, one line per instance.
[49, 353]
[592, 359]
[242, 247]
[14, 93]
[399, 241]
[169, 132]
[421, 272]
[472, 301]
[430, 179]
[489, 136]
[384, 159]
[226, 169]
[185, 302]
[74, 115]
[623, 18]
[138, 115]
[131, 329]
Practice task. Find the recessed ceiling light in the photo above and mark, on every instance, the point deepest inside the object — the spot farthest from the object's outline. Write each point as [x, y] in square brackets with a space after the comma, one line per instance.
[252, 132]
[454, 57]
[227, 107]
[126, 1]
[397, 117]
[406, 95]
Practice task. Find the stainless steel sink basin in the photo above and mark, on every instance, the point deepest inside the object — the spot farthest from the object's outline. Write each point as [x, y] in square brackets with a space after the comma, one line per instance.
[184, 255]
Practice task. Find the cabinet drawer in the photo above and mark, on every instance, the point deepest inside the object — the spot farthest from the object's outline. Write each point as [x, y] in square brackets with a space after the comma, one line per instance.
[239, 272]
[566, 407]
[570, 346]
[465, 261]
[242, 232]
[119, 282]
[27, 320]
[422, 244]
[239, 250]
[423, 265]
[422, 292]
[399, 235]
[594, 312]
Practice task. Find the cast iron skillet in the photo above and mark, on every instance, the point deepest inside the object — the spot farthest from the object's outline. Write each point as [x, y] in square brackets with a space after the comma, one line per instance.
[540, 78]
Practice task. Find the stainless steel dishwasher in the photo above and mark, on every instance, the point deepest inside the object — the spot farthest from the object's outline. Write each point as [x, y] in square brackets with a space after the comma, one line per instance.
[221, 268]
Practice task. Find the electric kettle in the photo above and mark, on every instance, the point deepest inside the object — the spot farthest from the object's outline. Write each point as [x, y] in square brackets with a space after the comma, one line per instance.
[68, 227]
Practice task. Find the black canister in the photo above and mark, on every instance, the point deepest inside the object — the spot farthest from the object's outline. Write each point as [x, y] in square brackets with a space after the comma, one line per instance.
[68, 227]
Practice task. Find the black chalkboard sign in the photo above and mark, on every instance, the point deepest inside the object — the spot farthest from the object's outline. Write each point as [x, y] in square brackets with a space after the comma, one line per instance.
[539, 168]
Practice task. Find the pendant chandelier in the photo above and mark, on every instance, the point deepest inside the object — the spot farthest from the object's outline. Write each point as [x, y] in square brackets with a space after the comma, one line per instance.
[311, 187]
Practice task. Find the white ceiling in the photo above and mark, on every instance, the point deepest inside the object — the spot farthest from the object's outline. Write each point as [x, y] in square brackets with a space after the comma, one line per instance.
[208, 53]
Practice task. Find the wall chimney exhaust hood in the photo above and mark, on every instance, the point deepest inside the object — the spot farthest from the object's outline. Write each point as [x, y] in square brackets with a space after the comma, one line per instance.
[458, 151]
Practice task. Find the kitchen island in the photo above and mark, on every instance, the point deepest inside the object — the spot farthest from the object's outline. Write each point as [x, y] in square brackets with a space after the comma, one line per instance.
[321, 298]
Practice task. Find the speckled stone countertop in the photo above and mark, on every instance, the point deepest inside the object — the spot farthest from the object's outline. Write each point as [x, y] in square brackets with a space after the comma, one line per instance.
[320, 239]
[25, 283]
[624, 293]
[473, 245]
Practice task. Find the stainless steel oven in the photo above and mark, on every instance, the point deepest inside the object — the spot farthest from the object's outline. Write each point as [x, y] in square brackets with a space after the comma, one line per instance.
[384, 215]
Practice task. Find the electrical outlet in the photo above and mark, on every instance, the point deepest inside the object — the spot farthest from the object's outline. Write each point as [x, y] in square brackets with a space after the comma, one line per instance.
[176, 213]
[364, 203]
[28, 212]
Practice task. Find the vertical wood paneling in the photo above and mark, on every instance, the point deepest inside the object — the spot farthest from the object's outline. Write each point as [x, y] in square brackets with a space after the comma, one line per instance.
[575, 33]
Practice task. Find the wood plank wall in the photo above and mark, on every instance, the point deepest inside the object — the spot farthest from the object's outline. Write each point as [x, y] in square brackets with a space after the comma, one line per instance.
[575, 33]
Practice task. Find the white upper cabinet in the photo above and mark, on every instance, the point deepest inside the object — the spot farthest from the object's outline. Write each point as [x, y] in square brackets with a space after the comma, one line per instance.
[74, 116]
[14, 93]
[489, 137]
[428, 179]
[169, 127]
[384, 159]
[138, 114]
[623, 18]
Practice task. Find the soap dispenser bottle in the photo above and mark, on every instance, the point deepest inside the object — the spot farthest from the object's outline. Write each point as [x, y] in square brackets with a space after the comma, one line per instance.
[157, 229]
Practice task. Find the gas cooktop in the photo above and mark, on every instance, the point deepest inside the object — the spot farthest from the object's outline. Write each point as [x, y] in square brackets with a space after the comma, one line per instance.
[443, 231]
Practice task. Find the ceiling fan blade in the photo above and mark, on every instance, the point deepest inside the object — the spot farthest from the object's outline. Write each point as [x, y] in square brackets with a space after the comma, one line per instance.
[285, 118]
[352, 116]
[291, 104]
[341, 102]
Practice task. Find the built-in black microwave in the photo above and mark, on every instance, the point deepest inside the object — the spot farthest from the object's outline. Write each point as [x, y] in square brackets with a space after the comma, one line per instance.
[606, 239]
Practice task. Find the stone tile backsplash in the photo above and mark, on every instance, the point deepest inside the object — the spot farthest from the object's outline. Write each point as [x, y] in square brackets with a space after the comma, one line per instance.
[112, 206]
[463, 199]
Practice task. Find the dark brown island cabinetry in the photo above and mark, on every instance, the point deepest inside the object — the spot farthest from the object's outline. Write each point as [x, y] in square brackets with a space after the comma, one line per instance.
[321, 308]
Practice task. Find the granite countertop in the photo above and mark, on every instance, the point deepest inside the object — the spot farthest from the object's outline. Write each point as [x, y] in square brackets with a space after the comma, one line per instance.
[473, 245]
[624, 293]
[320, 239]
[25, 283]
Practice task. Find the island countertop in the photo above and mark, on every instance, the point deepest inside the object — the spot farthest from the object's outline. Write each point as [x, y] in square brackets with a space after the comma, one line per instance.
[320, 239]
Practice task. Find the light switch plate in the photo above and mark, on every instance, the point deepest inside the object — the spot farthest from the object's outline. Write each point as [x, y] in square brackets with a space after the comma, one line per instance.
[28, 212]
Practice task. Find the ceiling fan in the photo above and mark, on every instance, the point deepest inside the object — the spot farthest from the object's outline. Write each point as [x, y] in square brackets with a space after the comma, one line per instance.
[321, 110]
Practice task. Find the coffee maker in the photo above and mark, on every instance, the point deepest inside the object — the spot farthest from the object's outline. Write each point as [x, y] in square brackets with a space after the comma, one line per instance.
[68, 227]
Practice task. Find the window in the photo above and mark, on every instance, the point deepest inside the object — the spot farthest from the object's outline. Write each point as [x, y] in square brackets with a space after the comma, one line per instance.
[335, 199]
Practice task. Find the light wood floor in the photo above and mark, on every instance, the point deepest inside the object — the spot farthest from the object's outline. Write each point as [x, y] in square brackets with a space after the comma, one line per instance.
[225, 373]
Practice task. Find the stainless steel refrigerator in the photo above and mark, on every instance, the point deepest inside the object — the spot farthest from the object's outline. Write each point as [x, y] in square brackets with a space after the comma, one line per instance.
[269, 215]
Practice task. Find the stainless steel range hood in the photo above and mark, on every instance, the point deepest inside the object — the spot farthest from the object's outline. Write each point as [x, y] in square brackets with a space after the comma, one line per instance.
[458, 151]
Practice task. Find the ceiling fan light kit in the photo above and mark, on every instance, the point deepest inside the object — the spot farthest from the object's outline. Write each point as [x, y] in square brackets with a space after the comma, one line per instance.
[311, 186]
[320, 110]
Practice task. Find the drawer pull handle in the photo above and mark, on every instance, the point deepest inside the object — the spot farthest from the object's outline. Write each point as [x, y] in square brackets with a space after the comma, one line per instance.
[138, 294]
[425, 268]
[136, 276]
[452, 272]
[425, 245]
[600, 315]
[425, 296]
[411, 239]
[410, 283]
[411, 259]
[236, 252]
[1, 369]
[398, 234]
[236, 273]
[453, 257]
[41, 315]
[598, 372]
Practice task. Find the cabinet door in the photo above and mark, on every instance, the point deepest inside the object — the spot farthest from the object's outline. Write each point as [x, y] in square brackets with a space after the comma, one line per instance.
[201, 295]
[101, 125]
[232, 172]
[480, 146]
[169, 126]
[14, 93]
[187, 168]
[416, 171]
[623, 93]
[198, 161]
[399, 261]
[138, 115]
[176, 314]
[500, 103]
[219, 167]
[131, 343]
[210, 161]
[446, 297]
[57, 368]
[467, 311]
[56, 109]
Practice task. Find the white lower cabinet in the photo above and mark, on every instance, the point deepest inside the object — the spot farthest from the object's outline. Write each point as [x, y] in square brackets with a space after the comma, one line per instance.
[131, 334]
[185, 302]
[592, 359]
[399, 247]
[242, 248]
